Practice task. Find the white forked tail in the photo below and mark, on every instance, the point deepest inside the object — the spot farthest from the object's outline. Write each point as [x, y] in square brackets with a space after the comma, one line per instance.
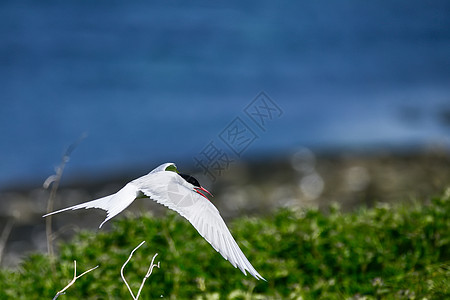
[113, 204]
[98, 203]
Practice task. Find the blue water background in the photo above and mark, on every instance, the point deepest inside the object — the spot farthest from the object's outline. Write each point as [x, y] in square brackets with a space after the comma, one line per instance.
[151, 82]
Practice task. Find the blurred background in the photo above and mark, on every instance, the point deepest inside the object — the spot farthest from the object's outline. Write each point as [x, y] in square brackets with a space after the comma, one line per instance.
[270, 104]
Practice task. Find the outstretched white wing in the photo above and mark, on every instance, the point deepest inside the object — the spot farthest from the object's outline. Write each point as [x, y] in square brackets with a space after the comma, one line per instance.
[170, 189]
[115, 203]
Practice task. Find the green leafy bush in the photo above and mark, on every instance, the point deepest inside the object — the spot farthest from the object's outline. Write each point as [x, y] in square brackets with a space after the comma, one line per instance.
[386, 252]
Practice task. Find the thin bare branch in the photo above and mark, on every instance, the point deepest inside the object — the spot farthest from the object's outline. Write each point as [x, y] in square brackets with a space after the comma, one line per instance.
[54, 180]
[4, 236]
[75, 277]
[149, 272]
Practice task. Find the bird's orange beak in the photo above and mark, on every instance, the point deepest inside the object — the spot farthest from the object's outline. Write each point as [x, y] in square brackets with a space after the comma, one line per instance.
[198, 189]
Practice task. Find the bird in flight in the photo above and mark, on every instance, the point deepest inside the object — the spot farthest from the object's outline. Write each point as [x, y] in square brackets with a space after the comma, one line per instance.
[183, 194]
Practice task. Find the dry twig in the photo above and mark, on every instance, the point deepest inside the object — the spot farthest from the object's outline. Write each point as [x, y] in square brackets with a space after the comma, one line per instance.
[54, 180]
[5, 235]
[75, 277]
[149, 272]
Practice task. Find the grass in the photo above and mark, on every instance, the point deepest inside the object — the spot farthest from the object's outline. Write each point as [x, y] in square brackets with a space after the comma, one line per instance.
[385, 252]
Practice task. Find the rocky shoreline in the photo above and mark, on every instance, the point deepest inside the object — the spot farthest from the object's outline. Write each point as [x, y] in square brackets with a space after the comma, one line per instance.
[303, 179]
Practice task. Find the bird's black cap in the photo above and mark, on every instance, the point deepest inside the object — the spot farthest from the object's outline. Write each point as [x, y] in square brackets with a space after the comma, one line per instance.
[190, 179]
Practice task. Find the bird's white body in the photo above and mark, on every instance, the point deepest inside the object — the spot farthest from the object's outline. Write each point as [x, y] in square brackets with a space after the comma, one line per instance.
[170, 189]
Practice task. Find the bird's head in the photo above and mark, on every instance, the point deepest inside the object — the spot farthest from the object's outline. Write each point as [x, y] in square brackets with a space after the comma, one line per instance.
[192, 180]
[197, 187]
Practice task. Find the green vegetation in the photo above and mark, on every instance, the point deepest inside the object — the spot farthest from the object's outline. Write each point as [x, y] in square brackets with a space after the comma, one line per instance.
[386, 252]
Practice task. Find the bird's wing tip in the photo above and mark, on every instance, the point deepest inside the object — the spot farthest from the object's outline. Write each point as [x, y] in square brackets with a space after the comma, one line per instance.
[258, 276]
[106, 220]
